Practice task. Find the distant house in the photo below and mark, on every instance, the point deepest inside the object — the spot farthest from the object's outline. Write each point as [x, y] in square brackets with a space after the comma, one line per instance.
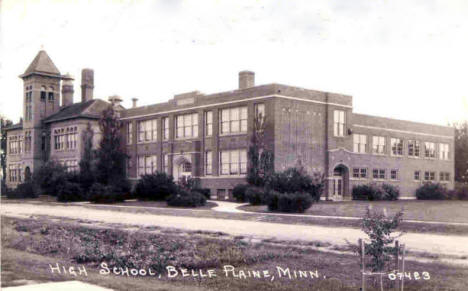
[207, 136]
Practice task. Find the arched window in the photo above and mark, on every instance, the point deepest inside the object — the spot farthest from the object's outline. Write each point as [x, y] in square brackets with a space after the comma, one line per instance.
[51, 94]
[43, 93]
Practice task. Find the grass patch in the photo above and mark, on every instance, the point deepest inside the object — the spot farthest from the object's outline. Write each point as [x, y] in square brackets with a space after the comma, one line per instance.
[30, 244]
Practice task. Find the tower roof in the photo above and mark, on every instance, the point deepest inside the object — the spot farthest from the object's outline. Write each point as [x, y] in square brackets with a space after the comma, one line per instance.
[42, 65]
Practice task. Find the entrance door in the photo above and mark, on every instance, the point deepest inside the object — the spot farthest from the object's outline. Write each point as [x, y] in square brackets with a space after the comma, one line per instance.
[337, 186]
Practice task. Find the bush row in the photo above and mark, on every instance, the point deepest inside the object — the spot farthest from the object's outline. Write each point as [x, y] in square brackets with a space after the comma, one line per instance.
[373, 192]
[437, 191]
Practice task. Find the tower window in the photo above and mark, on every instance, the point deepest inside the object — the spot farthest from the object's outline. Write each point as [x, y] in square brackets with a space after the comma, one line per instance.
[43, 93]
[51, 96]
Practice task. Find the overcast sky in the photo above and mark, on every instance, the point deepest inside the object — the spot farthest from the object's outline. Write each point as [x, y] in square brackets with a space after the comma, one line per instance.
[401, 59]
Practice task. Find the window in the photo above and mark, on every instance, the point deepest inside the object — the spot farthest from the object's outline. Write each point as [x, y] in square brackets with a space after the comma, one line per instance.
[209, 123]
[43, 93]
[429, 149]
[28, 94]
[394, 175]
[233, 162]
[208, 163]
[260, 113]
[417, 175]
[51, 96]
[359, 173]
[15, 144]
[28, 112]
[129, 133]
[360, 143]
[165, 128]
[146, 165]
[147, 130]
[444, 176]
[429, 176]
[70, 166]
[414, 148]
[378, 145]
[166, 163]
[378, 174]
[27, 141]
[234, 120]
[14, 172]
[339, 122]
[444, 151]
[187, 125]
[397, 146]
[65, 138]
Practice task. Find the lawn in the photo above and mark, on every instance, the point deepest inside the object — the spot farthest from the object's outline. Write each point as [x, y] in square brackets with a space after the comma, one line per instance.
[29, 245]
[443, 211]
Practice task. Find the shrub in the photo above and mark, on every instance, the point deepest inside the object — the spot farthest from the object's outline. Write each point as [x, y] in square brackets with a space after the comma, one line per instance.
[374, 192]
[206, 192]
[369, 192]
[272, 200]
[462, 192]
[294, 180]
[431, 191]
[157, 186]
[22, 191]
[4, 188]
[255, 196]
[50, 177]
[100, 193]
[239, 192]
[70, 192]
[184, 198]
[294, 202]
[391, 192]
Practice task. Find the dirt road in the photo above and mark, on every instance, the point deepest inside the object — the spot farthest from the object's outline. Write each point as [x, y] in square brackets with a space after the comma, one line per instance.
[431, 243]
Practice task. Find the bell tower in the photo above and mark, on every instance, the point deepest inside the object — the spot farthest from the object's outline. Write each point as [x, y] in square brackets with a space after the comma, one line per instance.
[41, 82]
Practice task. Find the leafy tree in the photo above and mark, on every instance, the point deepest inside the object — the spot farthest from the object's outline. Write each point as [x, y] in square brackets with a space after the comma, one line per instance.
[87, 177]
[461, 152]
[3, 145]
[110, 155]
[261, 159]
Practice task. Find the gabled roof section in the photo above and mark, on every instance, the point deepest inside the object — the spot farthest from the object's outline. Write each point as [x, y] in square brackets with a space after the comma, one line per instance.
[90, 109]
[18, 125]
[42, 65]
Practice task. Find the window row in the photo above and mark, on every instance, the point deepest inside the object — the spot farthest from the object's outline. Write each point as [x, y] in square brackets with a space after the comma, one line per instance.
[15, 144]
[232, 121]
[70, 165]
[49, 94]
[65, 138]
[360, 145]
[431, 176]
[377, 174]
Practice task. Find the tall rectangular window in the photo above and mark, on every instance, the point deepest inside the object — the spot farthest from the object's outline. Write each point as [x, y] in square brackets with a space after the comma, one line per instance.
[165, 128]
[378, 145]
[14, 171]
[233, 162]
[397, 146]
[338, 122]
[28, 113]
[186, 125]
[414, 148]
[444, 151]
[417, 175]
[166, 163]
[27, 141]
[260, 114]
[208, 163]
[429, 150]
[360, 143]
[129, 132]
[394, 174]
[147, 165]
[209, 123]
[147, 130]
[234, 120]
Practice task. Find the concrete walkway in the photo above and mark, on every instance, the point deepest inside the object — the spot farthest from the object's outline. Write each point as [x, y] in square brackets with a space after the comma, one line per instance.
[430, 243]
[232, 207]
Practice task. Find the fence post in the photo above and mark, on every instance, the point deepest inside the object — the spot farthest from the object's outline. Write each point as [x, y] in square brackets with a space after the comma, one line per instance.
[397, 264]
[363, 262]
[403, 267]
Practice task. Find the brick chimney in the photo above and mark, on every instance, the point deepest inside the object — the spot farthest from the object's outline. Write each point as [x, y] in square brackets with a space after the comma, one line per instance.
[67, 90]
[246, 79]
[87, 84]
[134, 100]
